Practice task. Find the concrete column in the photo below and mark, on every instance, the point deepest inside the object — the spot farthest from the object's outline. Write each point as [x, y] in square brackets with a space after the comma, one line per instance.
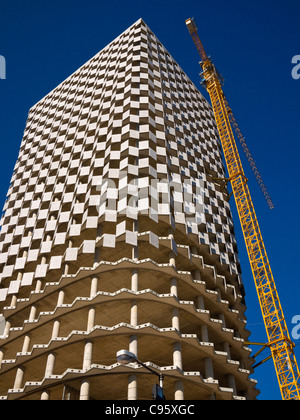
[7, 328]
[45, 396]
[94, 286]
[99, 231]
[135, 253]
[66, 394]
[66, 268]
[242, 364]
[1, 354]
[19, 378]
[26, 344]
[208, 366]
[13, 302]
[132, 388]
[55, 329]
[38, 286]
[50, 365]
[84, 391]
[227, 349]
[87, 356]
[194, 250]
[177, 356]
[175, 319]
[48, 238]
[197, 275]
[135, 224]
[174, 287]
[222, 318]
[170, 233]
[32, 313]
[172, 259]
[204, 334]
[231, 383]
[200, 303]
[61, 297]
[134, 280]
[91, 319]
[135, 249]
[39, 282]
[134, 313]
[178, 395]
[97, 257]
[133, 345]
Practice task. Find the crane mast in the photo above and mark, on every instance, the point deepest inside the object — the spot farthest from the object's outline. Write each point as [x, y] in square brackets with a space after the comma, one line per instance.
[282, 348]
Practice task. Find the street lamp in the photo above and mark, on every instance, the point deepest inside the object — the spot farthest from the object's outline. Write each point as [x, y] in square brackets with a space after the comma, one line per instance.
[124, 357]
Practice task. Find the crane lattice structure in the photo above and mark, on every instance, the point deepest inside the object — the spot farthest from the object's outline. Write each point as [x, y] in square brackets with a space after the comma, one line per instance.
[282, 348]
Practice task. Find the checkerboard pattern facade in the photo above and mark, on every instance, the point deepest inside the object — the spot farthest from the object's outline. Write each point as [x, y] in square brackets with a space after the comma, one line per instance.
[117, 233]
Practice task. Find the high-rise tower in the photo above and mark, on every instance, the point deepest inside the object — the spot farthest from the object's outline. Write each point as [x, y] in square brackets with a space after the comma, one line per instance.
[116, 235]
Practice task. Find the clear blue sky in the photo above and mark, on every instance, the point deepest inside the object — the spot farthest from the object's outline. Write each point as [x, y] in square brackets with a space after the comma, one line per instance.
[252, 44]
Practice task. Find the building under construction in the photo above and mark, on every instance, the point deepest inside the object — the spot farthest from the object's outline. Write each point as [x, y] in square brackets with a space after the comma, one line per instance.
[116, 235]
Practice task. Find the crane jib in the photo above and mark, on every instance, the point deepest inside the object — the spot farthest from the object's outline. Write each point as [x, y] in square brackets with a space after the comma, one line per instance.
[199, 46]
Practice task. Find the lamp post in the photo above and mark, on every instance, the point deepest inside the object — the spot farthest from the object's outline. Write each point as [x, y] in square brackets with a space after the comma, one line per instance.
[124, 357]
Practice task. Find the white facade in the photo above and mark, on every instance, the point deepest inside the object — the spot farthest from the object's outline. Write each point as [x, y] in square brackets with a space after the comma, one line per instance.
[115, 235]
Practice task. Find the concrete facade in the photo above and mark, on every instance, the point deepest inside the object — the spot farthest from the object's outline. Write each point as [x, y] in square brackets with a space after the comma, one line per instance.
[116, 236]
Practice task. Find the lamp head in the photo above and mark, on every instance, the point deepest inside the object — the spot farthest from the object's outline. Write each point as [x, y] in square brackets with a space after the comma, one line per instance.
[124, 357]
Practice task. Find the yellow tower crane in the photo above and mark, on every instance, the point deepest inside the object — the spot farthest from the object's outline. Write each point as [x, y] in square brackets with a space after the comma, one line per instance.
[282, 348]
